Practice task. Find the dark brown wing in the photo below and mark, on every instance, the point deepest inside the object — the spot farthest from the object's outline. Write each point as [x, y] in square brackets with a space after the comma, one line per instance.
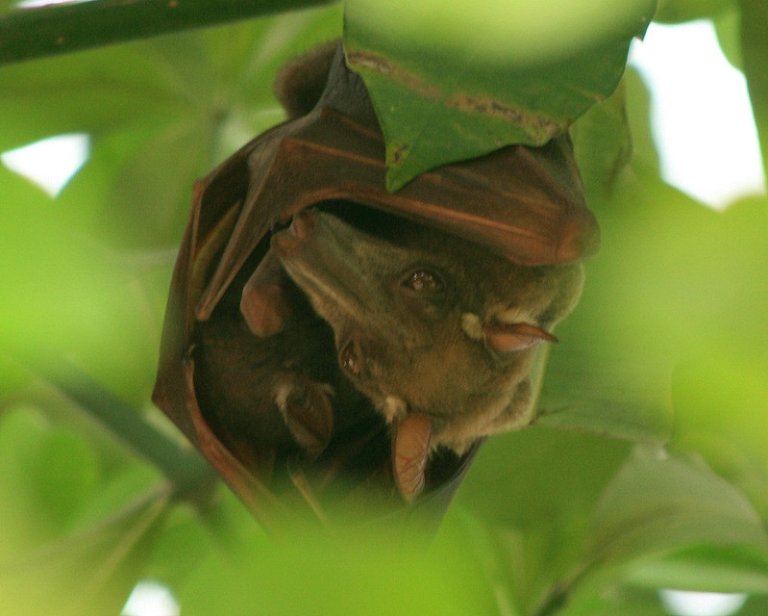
[524, 203]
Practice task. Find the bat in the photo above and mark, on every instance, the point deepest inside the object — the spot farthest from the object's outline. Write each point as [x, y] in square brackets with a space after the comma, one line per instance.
[438, 332]
[233, 300]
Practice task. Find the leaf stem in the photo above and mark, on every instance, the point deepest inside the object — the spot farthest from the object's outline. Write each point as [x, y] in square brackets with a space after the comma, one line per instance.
[54, 29]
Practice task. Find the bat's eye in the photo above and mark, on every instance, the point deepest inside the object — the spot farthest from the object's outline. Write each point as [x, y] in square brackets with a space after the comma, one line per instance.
[349, 360]
[423, 281]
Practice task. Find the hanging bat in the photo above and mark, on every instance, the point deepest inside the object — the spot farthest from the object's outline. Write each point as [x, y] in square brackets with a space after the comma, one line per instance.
[525, 205]
[438, 332]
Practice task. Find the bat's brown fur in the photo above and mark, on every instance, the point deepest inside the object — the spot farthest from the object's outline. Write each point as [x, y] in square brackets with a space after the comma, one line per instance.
[414, 313]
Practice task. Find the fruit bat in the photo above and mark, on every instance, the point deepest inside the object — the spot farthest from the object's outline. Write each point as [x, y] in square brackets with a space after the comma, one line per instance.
[438, 332]
[237, 312]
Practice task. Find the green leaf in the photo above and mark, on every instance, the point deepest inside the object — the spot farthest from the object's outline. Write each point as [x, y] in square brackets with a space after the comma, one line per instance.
[609, 395]
[91, 96]
[638, 109]
[755, 606]
[612, 600]
[657, 503]
[602, 144]
[479, 77]
[529, 495]
[67, 292]
[673, 282]
[715, 401]
[48, 476]
[613, 133]
[754, 52]
[183, 543]
[728, 30]
[704, 568]
[676, 11]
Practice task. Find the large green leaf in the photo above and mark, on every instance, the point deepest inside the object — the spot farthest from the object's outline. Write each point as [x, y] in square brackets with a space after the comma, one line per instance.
[719, 404]
[707, 568]
[658, 503]
[451, 82]
[603, 144]
[527, 501]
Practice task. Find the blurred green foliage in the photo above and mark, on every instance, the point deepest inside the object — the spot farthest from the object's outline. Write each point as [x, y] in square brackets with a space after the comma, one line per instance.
[648, 467]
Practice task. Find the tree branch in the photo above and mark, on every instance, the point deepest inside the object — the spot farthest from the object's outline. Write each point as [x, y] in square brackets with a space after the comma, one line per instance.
[184, 468]
[54, 29]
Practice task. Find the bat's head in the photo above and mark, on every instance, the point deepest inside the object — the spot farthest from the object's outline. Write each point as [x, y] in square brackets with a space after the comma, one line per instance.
[426, 323]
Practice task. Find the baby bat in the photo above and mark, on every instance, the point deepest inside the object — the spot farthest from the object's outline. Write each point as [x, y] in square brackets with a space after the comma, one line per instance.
[266, 395]
[438, 332]
[267, 384]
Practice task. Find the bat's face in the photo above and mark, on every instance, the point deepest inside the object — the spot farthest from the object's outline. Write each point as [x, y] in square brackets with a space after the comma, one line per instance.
[426, 323]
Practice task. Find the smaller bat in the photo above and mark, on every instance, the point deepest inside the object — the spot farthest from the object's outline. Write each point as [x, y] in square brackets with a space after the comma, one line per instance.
[268, 395]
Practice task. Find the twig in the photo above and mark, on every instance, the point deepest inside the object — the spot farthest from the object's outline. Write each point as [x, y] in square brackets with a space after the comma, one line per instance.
[55, 29]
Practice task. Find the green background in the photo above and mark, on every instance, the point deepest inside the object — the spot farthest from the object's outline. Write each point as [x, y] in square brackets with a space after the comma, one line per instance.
[648, 467]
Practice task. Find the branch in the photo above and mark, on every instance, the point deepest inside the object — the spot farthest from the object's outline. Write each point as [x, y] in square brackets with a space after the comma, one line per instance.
[184, 468]
[54, 29]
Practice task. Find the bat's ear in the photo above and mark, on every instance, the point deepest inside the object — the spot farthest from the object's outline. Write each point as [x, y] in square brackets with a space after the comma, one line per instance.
[510, 337]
